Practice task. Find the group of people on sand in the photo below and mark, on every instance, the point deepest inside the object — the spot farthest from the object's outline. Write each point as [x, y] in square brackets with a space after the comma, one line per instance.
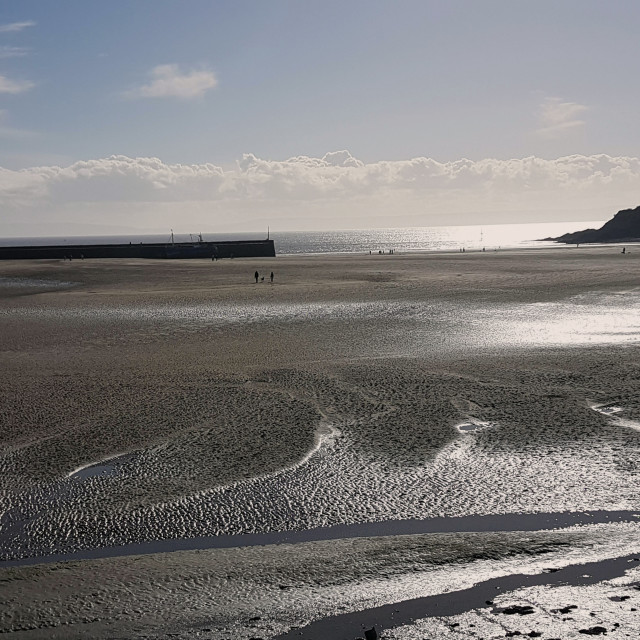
[257, 276]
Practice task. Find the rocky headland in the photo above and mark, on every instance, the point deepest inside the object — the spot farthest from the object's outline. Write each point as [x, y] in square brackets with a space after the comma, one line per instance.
[623, 227]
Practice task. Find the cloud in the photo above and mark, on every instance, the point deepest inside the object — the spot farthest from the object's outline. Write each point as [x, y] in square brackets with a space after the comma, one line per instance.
[558, 117]
[12, 27]
[341, 159]
[14, 86]
[334, 191]
[13, 52]
[169, 82]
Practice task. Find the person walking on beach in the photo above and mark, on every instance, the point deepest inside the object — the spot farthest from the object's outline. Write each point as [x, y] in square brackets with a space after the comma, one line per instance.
[256, 276]
[271, 276]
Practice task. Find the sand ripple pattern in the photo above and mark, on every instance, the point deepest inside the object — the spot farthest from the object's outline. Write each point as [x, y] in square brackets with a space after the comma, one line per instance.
[197, 418]
[291, 449]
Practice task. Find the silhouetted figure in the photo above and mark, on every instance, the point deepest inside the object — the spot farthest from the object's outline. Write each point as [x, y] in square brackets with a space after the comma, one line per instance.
[256, 276]
[624, 249]
[271, 276]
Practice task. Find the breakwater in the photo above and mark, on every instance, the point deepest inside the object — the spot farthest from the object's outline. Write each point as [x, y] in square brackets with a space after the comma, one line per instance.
[160, 250]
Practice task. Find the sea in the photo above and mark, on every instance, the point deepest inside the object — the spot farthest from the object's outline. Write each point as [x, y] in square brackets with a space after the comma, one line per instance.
[400, 240]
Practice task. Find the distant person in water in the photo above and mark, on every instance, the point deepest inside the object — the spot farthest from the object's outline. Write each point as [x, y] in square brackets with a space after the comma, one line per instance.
[256, 275]
[271, 276]
[624, 249]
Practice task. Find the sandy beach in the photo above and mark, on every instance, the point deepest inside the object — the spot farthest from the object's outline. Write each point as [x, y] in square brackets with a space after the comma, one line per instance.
[152, 401]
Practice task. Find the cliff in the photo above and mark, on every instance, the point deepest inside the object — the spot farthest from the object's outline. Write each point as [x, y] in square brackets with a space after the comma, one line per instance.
[623, 227]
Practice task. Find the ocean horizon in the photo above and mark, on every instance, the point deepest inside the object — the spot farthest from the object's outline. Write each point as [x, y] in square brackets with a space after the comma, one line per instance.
[401, 239]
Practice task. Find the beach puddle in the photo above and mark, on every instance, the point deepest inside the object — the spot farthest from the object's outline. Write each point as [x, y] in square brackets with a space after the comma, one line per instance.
[474, 425]
[611, 410]
[475, 524]
[93, 471]
[103, 469]
[607, 409]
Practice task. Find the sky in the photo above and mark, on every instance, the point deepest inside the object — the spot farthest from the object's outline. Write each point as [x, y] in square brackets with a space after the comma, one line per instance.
[234, 115]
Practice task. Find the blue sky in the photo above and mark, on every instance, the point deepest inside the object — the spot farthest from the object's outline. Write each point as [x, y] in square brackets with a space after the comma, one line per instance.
[440, 107]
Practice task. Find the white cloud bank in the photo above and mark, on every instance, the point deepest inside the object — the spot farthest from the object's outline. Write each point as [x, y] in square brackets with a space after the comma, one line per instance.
[167, 81]
[335, 191]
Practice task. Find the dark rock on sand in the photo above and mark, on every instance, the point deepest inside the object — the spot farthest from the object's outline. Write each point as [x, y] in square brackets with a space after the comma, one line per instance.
[566, 609]
[593, 631]
[522, 610]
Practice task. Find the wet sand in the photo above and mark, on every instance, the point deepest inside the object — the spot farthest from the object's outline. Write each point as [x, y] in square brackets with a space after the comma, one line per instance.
[215, 406]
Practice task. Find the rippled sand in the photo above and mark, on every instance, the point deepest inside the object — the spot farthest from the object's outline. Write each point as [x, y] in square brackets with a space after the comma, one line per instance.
[352, 389]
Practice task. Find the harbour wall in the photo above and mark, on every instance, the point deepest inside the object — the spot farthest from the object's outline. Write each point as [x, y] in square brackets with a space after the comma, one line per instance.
[175, 251]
